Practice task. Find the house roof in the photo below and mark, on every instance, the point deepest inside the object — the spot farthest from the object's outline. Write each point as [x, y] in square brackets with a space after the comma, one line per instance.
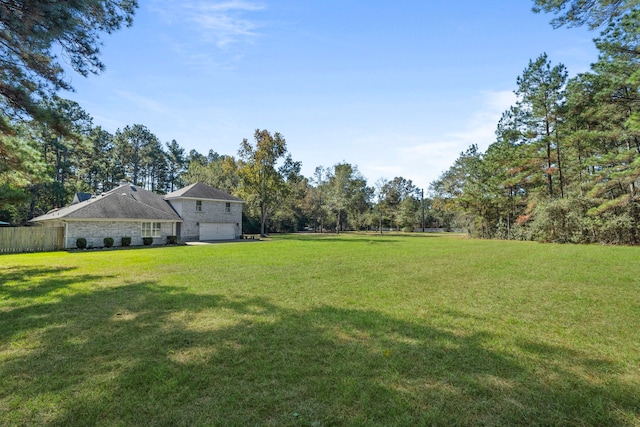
[124, 202]
[200, 190]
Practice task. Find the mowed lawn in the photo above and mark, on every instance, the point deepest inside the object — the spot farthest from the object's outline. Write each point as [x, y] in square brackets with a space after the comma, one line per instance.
[323, 330]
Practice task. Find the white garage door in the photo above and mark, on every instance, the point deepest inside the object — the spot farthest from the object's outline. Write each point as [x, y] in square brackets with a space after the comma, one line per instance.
[217, 231]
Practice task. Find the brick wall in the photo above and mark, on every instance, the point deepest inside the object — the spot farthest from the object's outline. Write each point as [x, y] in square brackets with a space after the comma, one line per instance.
[212, 211]
[96, 231]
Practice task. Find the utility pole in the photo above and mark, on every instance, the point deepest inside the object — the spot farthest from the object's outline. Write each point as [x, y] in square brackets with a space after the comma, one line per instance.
[422, 192]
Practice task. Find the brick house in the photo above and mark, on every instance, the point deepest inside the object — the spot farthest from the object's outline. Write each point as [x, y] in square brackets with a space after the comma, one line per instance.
[196, 212]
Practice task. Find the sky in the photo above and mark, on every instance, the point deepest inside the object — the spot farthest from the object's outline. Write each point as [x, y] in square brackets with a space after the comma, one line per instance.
[396, 88]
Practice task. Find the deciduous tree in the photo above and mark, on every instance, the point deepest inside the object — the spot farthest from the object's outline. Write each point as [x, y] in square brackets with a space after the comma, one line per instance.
[262, 171]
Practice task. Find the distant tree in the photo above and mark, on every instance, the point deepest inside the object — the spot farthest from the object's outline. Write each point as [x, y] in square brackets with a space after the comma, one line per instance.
[380, 207]
[345, 194]
[565, 166]
[132, 144]
[541, 96]
[315, 197]
[154, 166]
[195, 156]
[460, 192]
[98, 169]
[64, 144]
[67, 141]
[220, 173]
[262, 169]
[399, 200]
[290, 213]
[176, 165]
[311, 205]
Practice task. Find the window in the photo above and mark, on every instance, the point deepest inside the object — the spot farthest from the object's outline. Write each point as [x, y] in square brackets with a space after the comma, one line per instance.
[198, 205]
[151, 229]
[227, 207]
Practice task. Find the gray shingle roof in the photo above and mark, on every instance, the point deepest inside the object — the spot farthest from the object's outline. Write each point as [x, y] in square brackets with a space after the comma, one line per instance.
[201, 191]
[123, 202]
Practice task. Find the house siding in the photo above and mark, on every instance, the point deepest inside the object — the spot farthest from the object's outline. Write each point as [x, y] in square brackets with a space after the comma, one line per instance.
[213, 211]
[96, 231]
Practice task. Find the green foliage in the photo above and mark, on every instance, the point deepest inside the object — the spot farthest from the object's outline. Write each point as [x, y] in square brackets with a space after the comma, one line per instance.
[125, 241]
[580, 12]
[263, 178]
[398, 201]
[344, 196]
[108, 242]
[172, 240]
[176, 166]
[147, 241]
[140, 156]
[563, 221]
[34, 33]
[81, 243]
[21, 166]
[215, 170]
[566, 163]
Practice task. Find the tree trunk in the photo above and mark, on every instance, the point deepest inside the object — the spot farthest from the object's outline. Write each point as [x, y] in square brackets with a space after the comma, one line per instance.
[560, 178]
[263, 221]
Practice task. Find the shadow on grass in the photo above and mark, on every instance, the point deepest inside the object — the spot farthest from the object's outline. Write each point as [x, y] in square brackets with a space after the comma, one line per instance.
[147, 354]
[23, 285]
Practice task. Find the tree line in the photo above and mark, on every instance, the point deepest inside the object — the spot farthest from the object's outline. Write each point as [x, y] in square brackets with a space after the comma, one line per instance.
[50, 148]
[56, 162]
[565, 165]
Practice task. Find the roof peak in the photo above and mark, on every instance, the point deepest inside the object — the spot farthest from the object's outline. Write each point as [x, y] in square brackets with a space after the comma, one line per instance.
[201, 190]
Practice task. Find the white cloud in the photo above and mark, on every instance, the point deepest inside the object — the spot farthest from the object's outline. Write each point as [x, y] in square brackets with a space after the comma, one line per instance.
[221, 23]
[422, 158]
[479, 128]
[481, 125]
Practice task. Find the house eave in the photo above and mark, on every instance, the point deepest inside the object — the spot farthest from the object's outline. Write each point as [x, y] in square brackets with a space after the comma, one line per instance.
[64, 219]
[205, 198]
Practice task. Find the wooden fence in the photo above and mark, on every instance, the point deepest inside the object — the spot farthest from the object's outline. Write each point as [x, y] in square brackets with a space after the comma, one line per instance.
[31, 239]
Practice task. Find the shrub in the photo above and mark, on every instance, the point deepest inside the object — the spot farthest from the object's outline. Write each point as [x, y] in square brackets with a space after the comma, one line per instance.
[562, 221]
[126, 241]
[108, 242]
[81, 243]
[172, 240]
[147, 240]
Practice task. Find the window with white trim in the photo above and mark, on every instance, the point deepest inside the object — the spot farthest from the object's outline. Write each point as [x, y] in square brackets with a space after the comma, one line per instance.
[198, 205]
[151, 229]
[227, 207]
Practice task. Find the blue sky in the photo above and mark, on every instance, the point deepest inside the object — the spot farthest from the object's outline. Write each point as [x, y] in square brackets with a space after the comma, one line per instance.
[396, 88]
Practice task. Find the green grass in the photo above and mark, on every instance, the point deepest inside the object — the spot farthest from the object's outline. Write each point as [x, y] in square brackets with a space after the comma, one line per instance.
[308, 330]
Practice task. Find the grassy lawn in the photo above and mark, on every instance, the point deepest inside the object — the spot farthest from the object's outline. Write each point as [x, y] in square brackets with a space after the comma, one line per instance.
[308, 330]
